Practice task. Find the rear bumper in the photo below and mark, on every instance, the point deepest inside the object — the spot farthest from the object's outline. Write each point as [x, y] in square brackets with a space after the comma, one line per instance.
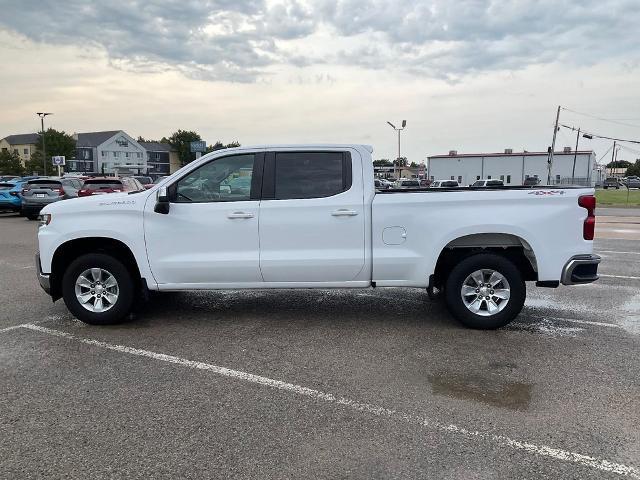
[581, 269]
[43, 279]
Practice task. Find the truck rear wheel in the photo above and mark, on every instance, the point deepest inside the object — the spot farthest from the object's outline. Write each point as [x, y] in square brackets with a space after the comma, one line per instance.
[485, 291]
[98, 289]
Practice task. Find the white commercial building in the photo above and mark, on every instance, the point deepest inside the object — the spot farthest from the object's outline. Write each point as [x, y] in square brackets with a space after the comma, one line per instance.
[514, 167]
[108, 153]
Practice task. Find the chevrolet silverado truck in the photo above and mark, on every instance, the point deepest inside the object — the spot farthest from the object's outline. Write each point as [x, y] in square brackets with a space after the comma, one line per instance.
[310, 217]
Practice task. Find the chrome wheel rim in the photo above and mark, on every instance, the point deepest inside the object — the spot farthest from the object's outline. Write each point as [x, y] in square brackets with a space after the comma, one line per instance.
[485, 292]
[97, 290]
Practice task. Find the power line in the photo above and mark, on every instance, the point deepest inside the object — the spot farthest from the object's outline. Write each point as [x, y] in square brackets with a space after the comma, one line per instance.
[600, 118]
[602, 136]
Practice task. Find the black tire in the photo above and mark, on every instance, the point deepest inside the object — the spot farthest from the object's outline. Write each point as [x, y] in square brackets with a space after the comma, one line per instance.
[457, 277]
[31, 216]
[121, 308]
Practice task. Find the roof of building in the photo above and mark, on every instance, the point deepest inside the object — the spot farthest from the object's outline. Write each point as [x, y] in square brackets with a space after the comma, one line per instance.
[513, 154]
[156, 146]
[22, 139]
[93, 139]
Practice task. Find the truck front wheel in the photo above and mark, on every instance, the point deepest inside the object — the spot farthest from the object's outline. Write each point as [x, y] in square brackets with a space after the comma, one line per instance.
[98, 289]
[485, 291]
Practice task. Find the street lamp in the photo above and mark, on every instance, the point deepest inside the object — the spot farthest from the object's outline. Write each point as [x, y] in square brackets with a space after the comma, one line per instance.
[44, 151]
[404, 124]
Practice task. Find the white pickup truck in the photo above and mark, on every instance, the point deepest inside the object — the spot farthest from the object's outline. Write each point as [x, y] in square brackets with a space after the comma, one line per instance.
[309, 217]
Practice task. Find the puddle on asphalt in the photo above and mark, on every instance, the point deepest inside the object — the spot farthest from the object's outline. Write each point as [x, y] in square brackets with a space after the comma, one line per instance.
[490, 390]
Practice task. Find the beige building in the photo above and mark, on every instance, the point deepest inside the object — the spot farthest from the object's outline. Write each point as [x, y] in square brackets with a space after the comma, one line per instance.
[22, 144]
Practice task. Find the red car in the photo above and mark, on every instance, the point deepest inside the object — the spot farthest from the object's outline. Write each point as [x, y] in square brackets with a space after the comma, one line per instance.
[99, 186]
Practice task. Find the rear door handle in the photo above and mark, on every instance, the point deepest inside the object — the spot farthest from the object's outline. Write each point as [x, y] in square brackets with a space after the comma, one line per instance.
[343, 212]
[240, 215]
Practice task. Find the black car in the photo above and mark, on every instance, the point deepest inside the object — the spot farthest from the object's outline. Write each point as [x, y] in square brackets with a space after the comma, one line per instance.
[612, 182]
[531, 181]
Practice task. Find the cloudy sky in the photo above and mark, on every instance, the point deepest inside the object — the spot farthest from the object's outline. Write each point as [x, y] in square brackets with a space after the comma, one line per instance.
[471, 75]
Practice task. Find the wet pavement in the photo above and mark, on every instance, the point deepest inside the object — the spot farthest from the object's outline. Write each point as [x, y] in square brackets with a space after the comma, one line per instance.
[323, 383]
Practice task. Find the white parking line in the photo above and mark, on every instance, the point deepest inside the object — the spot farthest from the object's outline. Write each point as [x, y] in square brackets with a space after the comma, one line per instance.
[14, 327]
[626, 277]
[617, 251]
[541, 450]
[584, 322]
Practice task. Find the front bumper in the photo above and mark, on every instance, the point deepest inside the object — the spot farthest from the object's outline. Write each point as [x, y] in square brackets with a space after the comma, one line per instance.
[581, 269]
[44, 279]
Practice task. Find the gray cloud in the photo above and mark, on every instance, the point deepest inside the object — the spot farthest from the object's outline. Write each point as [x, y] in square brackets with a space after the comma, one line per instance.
[236, 40]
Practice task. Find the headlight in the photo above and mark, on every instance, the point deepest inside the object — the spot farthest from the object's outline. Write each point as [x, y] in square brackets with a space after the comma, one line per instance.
[45, 219]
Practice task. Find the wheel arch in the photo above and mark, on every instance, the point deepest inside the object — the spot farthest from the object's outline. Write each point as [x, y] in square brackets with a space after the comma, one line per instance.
[508, 245]
[68, 251]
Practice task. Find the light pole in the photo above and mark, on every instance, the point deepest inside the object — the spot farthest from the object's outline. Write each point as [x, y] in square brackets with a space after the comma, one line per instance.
[404, 124]
[44, 151]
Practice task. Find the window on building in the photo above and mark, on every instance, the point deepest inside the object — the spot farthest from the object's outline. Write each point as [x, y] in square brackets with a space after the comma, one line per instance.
[557, 178]
[489, 177]
[432, 178]
[115, 154]
[126, 154]
[460, 179]
[157, 156]
[85, 154]
[452, 177]
[104, 154]
[502, 177]
[139, 155]
[4, 150]
[225, 179]
[508, 178]
[25, 151]
[311, 174]
[477, 177]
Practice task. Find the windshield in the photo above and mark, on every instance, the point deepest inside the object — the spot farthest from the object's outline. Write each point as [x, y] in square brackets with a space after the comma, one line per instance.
[449, 184]
[144, 180]
[479, 183]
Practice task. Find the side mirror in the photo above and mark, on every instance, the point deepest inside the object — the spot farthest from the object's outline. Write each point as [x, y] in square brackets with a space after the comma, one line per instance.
[162, 201]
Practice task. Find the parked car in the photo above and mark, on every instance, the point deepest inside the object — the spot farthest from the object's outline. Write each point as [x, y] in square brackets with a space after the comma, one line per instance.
[444, 184]
[487, 183]
[9, 178]
[611, 182]
[425, 182]
[408, 184]
[146, 182]
[42, 191]
[10, 195]
[103, 185]
[632, 182]
[531, 181]
[329, 229]
[380, 185]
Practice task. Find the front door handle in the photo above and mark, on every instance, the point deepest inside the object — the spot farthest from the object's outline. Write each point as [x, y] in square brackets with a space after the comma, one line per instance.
[240, 215]
[343, 212]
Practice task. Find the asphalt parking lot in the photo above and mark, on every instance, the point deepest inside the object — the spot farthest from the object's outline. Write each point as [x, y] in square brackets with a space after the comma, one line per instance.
[323, 384]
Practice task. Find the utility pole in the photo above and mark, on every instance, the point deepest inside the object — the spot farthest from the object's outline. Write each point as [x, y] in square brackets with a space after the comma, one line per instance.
[553, 145]
[575, 156]
[44, 151]
[613, 157]
[404, 124]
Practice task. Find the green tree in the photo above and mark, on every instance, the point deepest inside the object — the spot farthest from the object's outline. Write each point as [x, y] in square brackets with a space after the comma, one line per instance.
[220, 146]
[383, 162]
[180, 141]
[619, 164]
[56, 143]
[34, 166]
[414, 165]
[400, 162]
[10, 163]
[634, 169]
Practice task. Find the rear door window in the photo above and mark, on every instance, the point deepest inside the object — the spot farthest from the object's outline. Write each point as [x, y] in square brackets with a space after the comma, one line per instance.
[311, 174]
